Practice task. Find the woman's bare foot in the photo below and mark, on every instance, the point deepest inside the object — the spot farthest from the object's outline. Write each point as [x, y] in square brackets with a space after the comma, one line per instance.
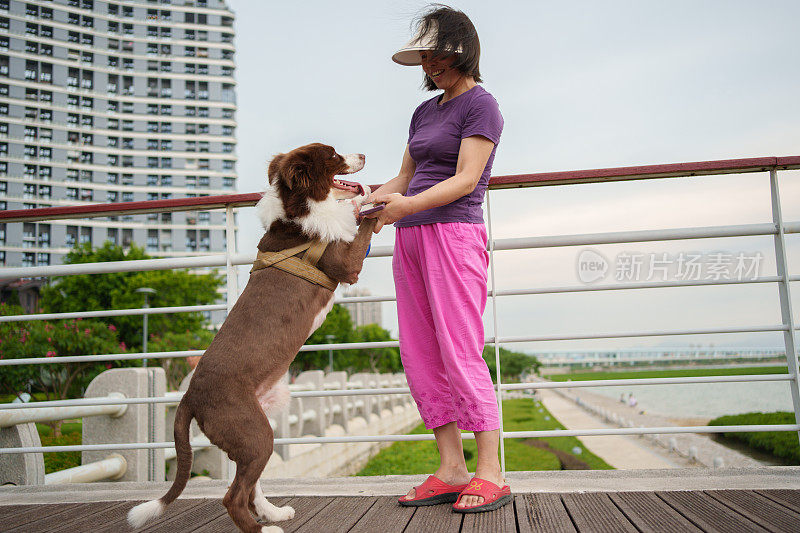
[494, 476]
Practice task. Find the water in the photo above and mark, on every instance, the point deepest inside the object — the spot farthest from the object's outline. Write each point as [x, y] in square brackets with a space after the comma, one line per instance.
[707, 400]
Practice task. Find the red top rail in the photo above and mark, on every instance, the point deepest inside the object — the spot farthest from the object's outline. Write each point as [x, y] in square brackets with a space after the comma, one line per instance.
[673, 170]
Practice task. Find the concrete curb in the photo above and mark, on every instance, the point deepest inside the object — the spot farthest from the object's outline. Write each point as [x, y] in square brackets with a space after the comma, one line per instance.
[774, 477]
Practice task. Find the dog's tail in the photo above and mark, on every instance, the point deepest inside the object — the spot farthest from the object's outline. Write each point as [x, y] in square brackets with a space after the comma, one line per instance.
[144, 512]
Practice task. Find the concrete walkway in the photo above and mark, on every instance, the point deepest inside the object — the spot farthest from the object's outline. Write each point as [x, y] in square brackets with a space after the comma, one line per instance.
[774, 477]
[620, 451]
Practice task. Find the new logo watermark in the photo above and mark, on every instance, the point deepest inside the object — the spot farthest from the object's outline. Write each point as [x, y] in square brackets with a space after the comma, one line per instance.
[684, 266]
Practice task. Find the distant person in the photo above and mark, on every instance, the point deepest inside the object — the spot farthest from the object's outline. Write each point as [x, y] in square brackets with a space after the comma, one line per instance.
[622, 398]
[632, 400]
[440, 260]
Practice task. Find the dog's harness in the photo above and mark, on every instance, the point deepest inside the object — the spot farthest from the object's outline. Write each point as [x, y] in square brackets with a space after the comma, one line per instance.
[303, 267]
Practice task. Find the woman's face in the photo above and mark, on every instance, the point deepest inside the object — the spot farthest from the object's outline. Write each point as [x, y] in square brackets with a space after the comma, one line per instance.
[439, 69]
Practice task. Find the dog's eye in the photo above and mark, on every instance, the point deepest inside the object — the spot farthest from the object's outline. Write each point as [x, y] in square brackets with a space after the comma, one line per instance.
[335, 156]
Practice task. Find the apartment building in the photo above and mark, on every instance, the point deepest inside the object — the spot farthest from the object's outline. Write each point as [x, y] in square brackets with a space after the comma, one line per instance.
[115, 101]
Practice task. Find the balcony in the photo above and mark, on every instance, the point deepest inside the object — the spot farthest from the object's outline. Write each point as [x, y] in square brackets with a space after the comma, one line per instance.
[575, 501]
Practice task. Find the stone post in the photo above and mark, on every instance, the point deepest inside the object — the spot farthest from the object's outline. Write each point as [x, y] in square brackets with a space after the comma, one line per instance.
[21, 468]
[139, 423]
[361, 380]
[339, 380]
[321, 421]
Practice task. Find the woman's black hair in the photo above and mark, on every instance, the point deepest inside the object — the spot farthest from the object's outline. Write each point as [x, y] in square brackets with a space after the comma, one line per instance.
[454, 31]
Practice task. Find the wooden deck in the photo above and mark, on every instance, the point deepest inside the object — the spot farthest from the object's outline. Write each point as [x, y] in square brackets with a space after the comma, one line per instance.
[679, 511]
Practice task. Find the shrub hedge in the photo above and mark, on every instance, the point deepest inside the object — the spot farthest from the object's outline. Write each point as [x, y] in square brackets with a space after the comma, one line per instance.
[783, 444]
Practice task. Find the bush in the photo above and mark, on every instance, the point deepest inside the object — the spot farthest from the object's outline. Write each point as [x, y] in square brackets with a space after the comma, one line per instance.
[783, 444]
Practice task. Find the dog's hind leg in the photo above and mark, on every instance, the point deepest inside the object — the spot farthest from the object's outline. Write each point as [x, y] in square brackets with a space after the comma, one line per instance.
[267, 511]
[250, 450]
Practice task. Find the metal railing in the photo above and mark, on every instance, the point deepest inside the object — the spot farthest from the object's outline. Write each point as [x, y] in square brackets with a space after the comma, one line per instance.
[230, 259]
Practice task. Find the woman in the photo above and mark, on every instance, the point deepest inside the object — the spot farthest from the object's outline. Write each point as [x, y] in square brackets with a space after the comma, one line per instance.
[440, 260]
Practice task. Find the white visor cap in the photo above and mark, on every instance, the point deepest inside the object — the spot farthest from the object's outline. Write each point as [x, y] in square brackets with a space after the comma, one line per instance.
[409, 55]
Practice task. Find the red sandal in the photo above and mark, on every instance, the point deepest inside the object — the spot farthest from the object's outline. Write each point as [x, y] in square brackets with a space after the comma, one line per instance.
[432, 492]
[493, 496]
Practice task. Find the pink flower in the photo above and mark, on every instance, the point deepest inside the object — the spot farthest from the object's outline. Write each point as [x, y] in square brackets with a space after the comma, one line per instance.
[51, 354]
[49, 339]
[122, 345]
[112, 327]
[66, 326]
[108, 366]
[87, 331]
[79, 319]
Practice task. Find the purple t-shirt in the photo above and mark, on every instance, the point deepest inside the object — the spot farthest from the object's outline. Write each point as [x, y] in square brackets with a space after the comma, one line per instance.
[434, 139]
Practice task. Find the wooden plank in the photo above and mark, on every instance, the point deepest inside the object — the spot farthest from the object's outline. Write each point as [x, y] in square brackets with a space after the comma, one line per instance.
[759, 509]
[594, 512]
[434, 519]
[220, 522]
[500, 520]
[386, 516]
[542, 513]
[340, 515]
[14, 515]
[39, 513]
[190, 519]
[708, 513]
[787, 498]
[649, 513]
[119, 524]
[304, 510]
[90, 517]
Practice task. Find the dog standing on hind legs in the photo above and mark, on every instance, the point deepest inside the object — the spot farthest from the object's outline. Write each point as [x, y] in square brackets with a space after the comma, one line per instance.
[313, 242]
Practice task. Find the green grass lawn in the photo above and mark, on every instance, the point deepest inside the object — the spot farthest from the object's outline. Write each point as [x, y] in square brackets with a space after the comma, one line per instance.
[70, 436]
[518, 415]
[678, 373]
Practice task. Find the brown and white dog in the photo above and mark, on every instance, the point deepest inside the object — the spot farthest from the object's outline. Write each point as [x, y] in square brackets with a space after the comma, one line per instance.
[238, 379]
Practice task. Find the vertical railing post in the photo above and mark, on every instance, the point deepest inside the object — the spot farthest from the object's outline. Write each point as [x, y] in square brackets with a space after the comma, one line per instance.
[230, 249]
[232, 281]
[785, 294]
[496, 335]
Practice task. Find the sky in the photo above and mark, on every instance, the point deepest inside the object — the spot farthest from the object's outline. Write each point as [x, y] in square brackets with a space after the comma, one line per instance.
[580, 84]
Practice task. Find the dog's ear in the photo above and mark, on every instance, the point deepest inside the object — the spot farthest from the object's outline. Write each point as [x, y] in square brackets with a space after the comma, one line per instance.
[298, 173]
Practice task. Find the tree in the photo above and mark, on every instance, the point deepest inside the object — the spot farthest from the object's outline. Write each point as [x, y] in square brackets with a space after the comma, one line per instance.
[53, 339]
[371, 359]
[512, 364]
[340, 326]
[89, 292]
[177, 368]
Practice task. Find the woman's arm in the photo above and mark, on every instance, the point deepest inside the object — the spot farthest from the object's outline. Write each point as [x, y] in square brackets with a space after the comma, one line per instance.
[473, 154]
[398, 184]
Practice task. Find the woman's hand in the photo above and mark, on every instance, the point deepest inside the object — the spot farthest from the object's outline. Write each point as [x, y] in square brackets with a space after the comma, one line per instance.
[396, 207]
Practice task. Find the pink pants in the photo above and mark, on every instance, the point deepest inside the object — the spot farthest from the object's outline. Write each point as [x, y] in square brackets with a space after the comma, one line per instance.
[440, 276]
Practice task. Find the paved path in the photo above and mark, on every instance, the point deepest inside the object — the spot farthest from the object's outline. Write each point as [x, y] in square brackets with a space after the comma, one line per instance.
[706, 451]
[621, 452]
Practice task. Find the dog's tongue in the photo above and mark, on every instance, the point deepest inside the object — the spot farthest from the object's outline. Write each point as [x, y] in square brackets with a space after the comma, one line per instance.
[348, 186]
